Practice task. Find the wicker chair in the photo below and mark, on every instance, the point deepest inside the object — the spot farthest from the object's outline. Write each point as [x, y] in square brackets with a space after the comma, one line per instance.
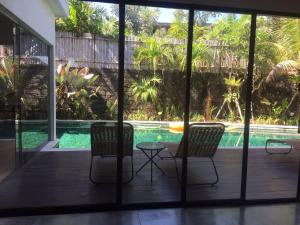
[203, 141]
[104, 143]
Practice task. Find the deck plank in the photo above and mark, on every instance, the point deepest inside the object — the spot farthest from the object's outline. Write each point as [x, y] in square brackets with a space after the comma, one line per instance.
[61, 179]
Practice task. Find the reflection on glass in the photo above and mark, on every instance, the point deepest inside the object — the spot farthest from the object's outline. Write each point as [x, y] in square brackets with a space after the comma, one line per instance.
[7, 99]
[32, 93]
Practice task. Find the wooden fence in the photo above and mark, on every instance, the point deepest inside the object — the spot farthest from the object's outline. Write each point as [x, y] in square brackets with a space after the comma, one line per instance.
[98, 52]
[93, 51]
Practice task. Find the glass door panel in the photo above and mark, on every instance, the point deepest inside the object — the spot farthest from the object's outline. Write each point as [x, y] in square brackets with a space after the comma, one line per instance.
[155, 57]
[219, 72]
[272, 167]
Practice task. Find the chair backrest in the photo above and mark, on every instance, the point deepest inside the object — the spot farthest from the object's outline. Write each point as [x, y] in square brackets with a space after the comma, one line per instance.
[203, 140]
[104, 139]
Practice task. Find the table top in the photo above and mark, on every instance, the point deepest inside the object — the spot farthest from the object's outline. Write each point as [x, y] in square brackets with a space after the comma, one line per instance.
[150, 146]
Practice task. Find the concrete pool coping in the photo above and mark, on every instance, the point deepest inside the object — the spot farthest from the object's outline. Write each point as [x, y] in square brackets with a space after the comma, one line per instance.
[227, 124]
[166, 123]
[51, 146]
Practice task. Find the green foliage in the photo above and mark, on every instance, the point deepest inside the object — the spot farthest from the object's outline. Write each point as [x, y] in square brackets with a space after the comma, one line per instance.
[196, 117]
[200, 55]
[233, 31]
[233, 82]
[12, 84]
[74, 92]
[110, 27]
[287, 45]
[139, 19]
[171, 113]
[288, 35]
[277, 50]
[87, 18]
[146, 89]
[276, 110]
[202, 17]
[112, 108]
[295, 79]
[266, 52]
[139, 114]
[233, 89]
[153, 51]
[7, 75]
[179, 27]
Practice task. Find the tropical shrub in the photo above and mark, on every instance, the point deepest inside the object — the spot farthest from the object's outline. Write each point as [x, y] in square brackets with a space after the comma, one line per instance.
[74, 92]
[139, 114]
[146, 89]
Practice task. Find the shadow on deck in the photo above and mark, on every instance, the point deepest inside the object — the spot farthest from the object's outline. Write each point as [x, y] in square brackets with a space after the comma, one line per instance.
[61, 178]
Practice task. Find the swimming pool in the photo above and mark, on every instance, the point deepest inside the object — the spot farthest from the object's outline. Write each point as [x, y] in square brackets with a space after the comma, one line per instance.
[76, 135]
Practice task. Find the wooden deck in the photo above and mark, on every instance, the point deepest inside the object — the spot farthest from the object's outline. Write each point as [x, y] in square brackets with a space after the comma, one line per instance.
[61, 178]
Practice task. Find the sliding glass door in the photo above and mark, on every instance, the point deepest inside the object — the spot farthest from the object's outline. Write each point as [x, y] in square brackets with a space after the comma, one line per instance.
[219, 74]
[272, 165]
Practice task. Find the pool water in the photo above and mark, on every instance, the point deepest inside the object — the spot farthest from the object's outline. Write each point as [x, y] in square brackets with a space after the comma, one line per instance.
[32, 135]
[80, 137]
[33, 139]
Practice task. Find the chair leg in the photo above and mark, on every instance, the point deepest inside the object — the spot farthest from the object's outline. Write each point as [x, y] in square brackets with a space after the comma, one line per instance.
[177, 170]
[216, 172]
[96, 182]
[206, 183]
[132, 172]
[90, 173]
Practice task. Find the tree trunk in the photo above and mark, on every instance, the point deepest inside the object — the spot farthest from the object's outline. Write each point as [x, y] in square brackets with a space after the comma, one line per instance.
[239, 108]
[283, 116]
[222, 106]
[208, 102]
[230, 109]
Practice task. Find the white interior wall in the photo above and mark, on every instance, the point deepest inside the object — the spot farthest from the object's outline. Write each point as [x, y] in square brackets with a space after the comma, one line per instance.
[39, 15]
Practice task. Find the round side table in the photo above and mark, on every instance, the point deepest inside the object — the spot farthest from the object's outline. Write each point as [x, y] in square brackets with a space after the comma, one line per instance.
[154, 148]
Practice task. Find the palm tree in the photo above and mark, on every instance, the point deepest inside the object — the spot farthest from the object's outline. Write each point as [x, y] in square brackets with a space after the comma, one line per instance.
[200, 55]
[288, 46]
[179, 26]
[154, 51]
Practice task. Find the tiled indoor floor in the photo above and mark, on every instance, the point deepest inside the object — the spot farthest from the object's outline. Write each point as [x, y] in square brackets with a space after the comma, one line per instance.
[280, 214]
